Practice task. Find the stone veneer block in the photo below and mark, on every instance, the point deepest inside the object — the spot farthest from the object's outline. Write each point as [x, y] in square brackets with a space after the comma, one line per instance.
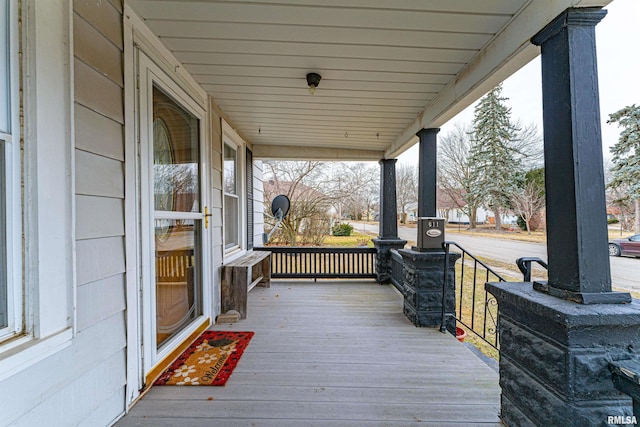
[383, 257]
[424, 277]
[554, 357]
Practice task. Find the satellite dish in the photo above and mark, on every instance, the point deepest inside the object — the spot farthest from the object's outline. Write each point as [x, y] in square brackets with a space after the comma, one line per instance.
[280, 206]
[279, 209]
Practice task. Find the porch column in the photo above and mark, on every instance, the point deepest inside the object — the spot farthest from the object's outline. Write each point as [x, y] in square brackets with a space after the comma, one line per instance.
[388, 204]
[388, 221]
[427, 172]
[558, 337]
[574, 173]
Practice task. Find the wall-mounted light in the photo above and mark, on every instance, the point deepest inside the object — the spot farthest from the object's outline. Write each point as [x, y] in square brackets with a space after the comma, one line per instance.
[313, 80]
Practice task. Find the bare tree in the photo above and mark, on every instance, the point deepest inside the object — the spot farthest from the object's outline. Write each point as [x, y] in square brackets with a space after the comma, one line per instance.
[528, 144]
[310, 191]
[358, 188]
[527, 202]
[454, 171]
[406, 188]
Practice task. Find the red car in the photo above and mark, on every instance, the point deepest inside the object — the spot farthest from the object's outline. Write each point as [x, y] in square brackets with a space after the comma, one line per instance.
[630, 246]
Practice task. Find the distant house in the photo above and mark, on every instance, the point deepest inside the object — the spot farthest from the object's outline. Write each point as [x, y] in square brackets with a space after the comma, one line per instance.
[453, 211]
[450, 209]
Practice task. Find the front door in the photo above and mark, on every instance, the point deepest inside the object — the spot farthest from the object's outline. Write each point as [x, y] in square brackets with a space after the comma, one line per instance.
[174, 249]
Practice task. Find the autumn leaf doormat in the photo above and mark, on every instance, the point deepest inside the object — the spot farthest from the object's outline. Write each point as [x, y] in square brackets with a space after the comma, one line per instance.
[210, 360]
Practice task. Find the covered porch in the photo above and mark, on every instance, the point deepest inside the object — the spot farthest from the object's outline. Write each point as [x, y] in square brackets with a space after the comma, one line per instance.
[386, 80]
[130, 128]
[334, 353]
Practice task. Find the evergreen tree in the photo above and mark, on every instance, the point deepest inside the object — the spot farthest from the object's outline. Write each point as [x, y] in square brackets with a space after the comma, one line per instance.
[626, 155]
[495, 160]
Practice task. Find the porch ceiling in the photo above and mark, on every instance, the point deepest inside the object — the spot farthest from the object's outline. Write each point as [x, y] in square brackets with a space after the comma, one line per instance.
[388, 68]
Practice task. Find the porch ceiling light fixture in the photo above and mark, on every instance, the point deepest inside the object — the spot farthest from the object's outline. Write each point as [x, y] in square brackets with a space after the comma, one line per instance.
[313, 80]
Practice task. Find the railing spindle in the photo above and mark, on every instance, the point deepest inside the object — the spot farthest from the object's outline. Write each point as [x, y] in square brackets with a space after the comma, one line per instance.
[318, 263]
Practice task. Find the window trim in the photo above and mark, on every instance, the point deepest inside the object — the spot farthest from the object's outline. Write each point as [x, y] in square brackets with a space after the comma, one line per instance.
[46, 254]
[153, 76]
[6, 56]
[10, 219]
[232, 139]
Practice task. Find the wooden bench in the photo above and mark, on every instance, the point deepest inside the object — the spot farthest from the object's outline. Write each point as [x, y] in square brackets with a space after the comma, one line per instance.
[240, 276]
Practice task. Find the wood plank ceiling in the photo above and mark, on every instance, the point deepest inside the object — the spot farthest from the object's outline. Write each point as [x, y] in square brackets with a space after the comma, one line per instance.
[382, 62]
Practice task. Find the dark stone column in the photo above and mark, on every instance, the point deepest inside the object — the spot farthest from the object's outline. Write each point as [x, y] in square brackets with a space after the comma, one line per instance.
[388, 203]
[576, 225]
[388, 219]
[558, 337]
[424, 278]
[555, 354]
[427, 172]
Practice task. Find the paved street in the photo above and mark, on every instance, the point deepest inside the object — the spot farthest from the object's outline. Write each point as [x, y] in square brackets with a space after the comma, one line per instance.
[624, 270]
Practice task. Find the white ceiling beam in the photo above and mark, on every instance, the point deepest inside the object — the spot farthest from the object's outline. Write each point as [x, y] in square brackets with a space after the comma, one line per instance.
[283, 152]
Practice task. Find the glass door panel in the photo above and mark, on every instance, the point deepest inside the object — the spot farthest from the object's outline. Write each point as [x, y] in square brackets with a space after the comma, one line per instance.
[177, 218]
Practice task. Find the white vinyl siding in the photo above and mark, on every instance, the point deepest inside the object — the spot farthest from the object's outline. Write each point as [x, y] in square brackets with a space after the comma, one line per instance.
[258, 203]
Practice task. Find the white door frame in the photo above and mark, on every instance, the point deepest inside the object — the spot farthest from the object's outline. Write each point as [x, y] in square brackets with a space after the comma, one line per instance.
[150, 75]
[139, 38]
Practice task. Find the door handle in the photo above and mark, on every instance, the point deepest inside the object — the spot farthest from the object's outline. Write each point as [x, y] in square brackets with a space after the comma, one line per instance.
[206, 217]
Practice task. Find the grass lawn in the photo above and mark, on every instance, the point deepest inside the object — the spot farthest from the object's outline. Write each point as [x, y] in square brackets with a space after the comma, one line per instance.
[517, 234]
[356, 239]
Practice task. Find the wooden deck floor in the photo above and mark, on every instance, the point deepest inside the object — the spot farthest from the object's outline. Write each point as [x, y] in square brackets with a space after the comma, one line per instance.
[334, 354]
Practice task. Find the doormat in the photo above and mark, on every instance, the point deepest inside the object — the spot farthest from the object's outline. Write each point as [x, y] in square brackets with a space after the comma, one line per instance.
[210, 360]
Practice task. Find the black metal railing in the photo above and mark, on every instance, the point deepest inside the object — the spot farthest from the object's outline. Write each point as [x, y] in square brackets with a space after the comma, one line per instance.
[397, 277]
[525, 266]
[292, 262]
[476, 309]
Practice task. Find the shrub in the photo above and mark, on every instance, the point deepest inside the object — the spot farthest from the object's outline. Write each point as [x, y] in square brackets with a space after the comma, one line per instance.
[315, 230]
[342, 229]
[612, 221]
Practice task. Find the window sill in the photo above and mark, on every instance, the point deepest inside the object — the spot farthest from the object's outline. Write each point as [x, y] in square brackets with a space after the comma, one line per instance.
[24, 352]
[233, 254]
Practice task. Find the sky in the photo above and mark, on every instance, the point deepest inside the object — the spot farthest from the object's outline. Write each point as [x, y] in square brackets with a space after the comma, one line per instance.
[618, 51]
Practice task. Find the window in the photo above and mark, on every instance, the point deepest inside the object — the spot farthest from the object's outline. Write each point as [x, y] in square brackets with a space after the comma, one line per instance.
[233, 189]
[249, 181]
[5, 83]
[231, 198]
[36, 308]
[8, 315]
[4, 308]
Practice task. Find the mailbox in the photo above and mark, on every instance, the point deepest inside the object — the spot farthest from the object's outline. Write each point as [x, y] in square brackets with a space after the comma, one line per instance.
[430, 233]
